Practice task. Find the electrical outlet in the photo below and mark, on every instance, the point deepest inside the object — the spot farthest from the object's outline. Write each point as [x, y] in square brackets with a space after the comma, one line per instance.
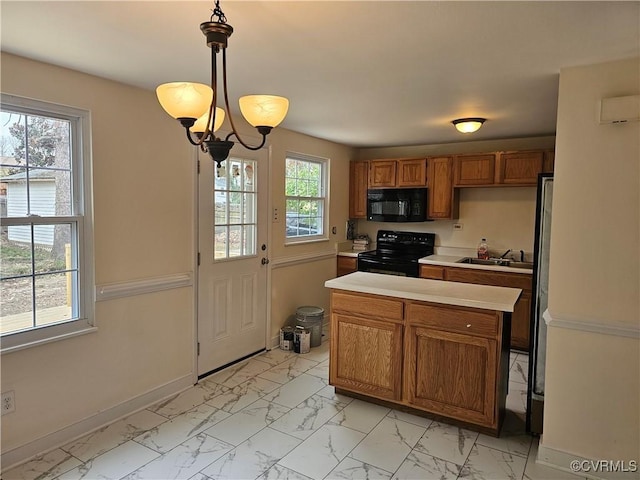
[457, 226]
[8, 402]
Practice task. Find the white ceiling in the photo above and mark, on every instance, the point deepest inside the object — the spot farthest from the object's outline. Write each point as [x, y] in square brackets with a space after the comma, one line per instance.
[361, 73]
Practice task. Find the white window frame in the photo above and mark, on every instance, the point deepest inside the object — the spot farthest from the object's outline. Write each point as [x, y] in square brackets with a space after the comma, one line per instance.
[81, 219]
[325, 164]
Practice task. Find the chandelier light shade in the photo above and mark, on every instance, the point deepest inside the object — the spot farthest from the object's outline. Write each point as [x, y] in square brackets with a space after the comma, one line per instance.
[194, 104]
[468, 125]
[185, 100]
[264, 110]
[201, 124]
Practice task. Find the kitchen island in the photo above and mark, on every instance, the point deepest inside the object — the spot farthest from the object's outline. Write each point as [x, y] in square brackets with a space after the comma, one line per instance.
[452, 269]
[431, 347]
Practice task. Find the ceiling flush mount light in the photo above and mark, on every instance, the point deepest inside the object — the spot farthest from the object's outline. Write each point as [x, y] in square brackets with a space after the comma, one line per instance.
[468, 125]
[194, 104]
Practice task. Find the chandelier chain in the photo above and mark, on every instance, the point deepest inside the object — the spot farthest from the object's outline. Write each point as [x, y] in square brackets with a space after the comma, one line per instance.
[217, 12]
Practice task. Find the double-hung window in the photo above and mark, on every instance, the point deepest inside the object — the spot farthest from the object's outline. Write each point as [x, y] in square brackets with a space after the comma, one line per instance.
[46, 265]
[306, 198]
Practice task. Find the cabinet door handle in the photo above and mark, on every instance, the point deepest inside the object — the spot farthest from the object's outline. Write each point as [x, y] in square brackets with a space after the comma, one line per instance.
[468, 325]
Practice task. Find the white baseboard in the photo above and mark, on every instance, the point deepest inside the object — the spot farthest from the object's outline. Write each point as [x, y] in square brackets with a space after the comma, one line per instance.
[11, 458]
[561, 460]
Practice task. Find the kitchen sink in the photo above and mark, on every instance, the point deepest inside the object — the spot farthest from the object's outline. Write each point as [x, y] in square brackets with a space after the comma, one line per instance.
[491, 261]
[501, 262]
[528, 265]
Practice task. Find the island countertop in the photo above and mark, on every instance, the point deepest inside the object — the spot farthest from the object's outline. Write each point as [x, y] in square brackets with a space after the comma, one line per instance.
[485, 297]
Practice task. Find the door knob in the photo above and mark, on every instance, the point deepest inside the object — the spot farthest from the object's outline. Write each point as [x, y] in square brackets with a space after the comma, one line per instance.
[264, 261]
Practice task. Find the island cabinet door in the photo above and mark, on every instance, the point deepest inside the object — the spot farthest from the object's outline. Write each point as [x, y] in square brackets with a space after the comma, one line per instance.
[451, 374]
[366, 356]
[448, 371]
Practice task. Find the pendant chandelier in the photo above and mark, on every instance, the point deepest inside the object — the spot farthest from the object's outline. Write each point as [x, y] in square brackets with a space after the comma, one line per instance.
[194, 104]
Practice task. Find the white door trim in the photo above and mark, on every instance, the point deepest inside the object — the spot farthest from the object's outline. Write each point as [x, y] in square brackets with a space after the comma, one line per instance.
[267, 340]
[194, 259]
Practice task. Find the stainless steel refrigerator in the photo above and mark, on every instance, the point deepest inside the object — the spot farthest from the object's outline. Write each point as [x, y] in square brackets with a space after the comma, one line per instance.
[538, 333]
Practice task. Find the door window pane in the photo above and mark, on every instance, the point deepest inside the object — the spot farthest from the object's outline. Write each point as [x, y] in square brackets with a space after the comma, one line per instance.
[249, 210]
[235, 240]
[220, 208]
[249, 244]
[220, 243]
[235, 212]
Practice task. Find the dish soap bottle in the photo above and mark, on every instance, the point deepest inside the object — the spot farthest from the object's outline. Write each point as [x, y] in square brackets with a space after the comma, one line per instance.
[483, 250]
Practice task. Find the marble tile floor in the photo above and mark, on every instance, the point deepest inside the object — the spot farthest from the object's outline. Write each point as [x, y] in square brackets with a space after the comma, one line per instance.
[274, 416]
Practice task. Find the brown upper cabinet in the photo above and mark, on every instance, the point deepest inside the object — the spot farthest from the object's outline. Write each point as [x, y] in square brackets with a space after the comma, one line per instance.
[549, 161]
[443, 198]
[358, 184]
[501, 168]
[474, 169]
[519, 168]
[404, 172]
[444, 175]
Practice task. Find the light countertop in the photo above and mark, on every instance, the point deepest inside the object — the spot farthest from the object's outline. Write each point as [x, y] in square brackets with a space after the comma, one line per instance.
[348, 253]
[449, 293]
[451, 261]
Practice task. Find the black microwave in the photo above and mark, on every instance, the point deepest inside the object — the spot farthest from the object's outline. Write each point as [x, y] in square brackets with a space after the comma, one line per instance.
[397, 204]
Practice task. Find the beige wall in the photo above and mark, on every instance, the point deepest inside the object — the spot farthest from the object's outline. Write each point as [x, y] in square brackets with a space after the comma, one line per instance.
[592, 398]
[505, 216]
[143, 223]
[143, 181]
[296, 284]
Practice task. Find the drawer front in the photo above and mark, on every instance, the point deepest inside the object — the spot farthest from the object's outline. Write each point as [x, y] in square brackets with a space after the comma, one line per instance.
[468, 321]
[498, 279]
[432, 271]
[368, 305]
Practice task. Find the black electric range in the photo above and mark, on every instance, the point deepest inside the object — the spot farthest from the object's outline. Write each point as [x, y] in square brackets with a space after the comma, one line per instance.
[397, 253]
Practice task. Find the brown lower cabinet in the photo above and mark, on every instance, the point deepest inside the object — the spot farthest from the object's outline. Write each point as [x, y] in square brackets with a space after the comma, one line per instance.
[520, 318]
[345, 265]
[450, 362]
[366, 344]
[463, 346]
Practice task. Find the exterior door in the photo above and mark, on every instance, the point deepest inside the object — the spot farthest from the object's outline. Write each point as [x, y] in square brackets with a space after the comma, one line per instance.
[232, 246]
